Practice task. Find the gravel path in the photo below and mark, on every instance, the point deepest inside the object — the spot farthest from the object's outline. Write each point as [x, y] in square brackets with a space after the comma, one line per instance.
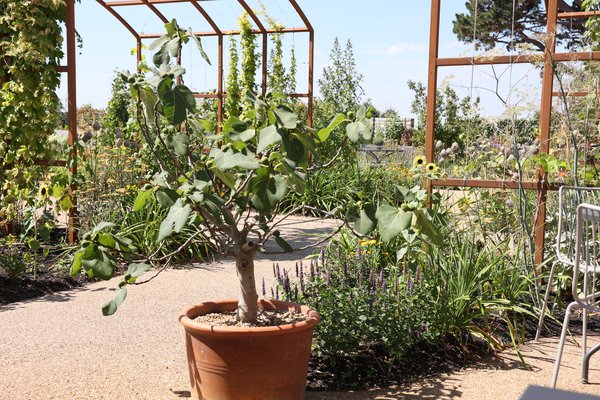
[61, 347]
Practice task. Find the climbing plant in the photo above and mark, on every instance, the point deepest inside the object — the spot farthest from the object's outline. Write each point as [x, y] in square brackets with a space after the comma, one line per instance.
[277, 76]
[291, 77]
[232, 102]
[31, 48]
[249, 59]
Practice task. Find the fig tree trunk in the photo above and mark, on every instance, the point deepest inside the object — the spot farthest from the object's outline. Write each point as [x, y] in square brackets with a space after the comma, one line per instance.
[244, 264]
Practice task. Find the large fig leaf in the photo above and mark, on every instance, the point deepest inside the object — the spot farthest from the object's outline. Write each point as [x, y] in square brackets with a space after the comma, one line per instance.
[176, 101]
[324, 133]
[391, 221]
[175, 221]
[268, 191]
[267, 137]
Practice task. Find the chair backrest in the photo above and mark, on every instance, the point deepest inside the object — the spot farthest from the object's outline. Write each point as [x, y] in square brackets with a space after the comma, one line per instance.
[587, 249]
[569, 198]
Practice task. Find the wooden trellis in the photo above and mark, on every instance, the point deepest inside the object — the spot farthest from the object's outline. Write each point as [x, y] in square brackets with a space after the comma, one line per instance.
[555, 11]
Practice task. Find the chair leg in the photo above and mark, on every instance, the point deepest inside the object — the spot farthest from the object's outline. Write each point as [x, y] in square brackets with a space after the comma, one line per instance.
[561, 344]
[545, 303]
[584, 332]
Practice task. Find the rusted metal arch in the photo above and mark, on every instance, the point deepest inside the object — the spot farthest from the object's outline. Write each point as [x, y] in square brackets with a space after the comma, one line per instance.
[261, 30]
[556, 9]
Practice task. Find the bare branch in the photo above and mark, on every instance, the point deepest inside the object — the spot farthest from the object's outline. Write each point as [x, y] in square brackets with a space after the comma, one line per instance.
[313, 245]
[332, 161]
[299, 208]
[239, 189]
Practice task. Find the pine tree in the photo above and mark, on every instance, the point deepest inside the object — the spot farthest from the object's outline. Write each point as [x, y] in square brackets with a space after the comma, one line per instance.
[495, 24]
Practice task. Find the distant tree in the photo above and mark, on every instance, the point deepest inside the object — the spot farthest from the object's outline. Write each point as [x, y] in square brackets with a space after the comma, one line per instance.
[592, 24]
[341, 84]
[495, 24]
[117, 112]
[389, 113]
[457, 120]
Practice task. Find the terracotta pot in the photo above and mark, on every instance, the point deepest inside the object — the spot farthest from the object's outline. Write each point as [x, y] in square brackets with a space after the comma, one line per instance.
[233, 363]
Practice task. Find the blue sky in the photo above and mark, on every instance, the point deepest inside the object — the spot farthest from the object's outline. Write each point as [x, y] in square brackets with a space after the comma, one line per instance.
[390, 40]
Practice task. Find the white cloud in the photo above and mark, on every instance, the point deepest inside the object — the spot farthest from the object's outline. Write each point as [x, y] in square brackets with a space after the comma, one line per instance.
[402, 48]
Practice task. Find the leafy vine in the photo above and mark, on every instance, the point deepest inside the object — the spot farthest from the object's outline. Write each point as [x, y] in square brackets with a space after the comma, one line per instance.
[250, 61]
[232, 103]
[31, 48]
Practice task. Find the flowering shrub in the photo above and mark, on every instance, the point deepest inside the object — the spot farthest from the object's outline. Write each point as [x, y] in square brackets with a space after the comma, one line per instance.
[380, 311]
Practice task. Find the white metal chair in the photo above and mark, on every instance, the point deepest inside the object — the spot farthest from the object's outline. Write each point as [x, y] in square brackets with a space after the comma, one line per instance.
[587, 250]
[569, 197]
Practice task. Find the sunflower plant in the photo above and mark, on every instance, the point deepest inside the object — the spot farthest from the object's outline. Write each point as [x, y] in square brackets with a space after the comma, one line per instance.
[402, 220]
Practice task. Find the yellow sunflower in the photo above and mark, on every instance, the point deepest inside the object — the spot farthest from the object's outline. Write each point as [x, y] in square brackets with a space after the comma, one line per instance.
[419, 161]
[44, 192]
[431, 168]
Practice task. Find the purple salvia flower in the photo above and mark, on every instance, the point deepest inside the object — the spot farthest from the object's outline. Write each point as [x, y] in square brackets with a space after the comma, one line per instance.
[297, 274]
[411, 285]
[272, 293]
[371, 275]
[295, 293]
[278, 271]
[301, 281]
[418, 274]
[322, 256]
[312, 270]
[301, 269]
[381, 277]
[264, 288]
[277, 293]
[345, 270]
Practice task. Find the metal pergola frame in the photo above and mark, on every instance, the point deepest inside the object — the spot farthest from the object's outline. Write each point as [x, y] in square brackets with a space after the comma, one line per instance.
[549, 57]
[112, 7]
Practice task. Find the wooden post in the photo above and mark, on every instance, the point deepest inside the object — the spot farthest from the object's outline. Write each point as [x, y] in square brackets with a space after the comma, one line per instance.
[72, 115]
[545, 124]
[434, 42]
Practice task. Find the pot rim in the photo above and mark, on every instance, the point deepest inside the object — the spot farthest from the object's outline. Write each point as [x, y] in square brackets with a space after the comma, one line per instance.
[187, 316]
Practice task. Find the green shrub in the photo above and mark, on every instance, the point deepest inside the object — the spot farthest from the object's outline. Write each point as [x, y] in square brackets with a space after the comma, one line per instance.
[381, 311]
[11, 261]
[346, 183]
